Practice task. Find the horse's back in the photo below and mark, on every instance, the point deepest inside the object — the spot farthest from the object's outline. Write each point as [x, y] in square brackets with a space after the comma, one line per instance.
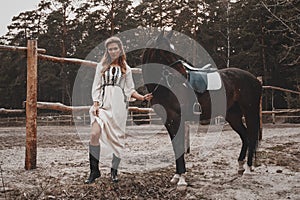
[241, 84]
[240, 76]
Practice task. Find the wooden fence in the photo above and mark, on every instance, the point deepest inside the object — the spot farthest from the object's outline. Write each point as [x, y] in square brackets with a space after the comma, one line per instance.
[55, 119]
[33, 54]
[281, 113]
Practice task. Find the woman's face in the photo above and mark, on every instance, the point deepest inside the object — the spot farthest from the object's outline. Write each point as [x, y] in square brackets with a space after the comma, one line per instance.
[114, 51]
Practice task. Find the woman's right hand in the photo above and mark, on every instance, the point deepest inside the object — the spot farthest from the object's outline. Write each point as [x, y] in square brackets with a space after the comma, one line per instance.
[96, 110]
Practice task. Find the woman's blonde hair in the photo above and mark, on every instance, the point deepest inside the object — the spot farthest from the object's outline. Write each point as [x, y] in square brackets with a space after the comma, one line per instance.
[106, 60]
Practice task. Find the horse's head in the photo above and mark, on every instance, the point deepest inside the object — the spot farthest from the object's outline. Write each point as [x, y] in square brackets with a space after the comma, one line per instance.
[160, 50]
[161, 42]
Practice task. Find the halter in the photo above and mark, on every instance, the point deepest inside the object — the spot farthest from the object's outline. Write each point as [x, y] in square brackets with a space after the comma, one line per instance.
[166, 74]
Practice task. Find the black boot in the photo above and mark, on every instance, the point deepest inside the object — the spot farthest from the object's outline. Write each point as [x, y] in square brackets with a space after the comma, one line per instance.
[114, 169]
[94, 164]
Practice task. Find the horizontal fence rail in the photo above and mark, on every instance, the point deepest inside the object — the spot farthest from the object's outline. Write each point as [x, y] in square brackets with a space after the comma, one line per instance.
[83, 119]
[289, 113]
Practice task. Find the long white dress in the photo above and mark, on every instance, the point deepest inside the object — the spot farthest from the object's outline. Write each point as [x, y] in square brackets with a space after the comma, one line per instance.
[112, 90]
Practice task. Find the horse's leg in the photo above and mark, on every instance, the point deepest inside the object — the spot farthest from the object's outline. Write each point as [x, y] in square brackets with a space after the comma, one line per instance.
[234, 118]
[252, 122]
[176, 132]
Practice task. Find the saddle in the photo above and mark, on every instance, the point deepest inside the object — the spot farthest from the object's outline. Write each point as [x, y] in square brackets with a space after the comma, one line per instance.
[202, 79]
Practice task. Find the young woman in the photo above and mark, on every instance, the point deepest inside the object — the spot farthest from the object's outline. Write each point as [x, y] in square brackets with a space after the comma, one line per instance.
[112, 87]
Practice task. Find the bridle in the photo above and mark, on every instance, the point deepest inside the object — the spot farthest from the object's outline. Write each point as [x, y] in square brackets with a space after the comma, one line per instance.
[165, 74]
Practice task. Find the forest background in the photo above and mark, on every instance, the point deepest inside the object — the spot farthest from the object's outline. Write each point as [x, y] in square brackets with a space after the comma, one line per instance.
[262, 37]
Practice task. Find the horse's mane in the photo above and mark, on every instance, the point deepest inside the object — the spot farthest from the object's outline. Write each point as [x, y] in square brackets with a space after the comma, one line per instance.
[162, 43]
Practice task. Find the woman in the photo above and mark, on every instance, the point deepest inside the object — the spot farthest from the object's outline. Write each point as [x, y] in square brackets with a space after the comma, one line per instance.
[112, 87]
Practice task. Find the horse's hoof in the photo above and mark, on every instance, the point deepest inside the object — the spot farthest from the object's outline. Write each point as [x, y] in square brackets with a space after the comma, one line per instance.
[175, 178]
[182, 184]
[241, 171]
[241, 167]
[249, 171]
[182, 181]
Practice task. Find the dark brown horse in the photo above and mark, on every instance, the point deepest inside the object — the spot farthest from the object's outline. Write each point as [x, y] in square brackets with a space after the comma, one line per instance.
[168, 77]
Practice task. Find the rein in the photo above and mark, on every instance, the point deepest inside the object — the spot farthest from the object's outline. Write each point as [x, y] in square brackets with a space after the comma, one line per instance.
[165, 74]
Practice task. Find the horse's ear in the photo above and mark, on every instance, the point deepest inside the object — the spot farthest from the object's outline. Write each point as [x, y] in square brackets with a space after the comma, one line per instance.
[170, 34]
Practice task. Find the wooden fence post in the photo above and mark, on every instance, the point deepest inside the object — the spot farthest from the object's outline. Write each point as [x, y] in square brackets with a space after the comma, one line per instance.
[273, 108]
[31, 106]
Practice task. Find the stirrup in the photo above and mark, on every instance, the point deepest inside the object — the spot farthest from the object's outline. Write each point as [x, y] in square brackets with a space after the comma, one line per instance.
[197, 110]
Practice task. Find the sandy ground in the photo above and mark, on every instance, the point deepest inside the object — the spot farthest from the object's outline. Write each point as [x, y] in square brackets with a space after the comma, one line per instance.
[148, 165]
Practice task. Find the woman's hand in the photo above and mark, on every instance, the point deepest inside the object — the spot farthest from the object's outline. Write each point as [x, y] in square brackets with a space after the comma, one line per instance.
[96, 110]
[147, 97]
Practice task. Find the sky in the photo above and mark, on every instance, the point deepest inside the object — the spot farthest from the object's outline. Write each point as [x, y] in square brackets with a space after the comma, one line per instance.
[13, 8]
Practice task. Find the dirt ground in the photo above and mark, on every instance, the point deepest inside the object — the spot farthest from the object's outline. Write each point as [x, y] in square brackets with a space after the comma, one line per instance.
[148, 165]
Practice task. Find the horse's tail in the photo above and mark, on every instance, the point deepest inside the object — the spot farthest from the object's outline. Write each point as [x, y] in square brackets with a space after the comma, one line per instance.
[260, 127]
[257, 141]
